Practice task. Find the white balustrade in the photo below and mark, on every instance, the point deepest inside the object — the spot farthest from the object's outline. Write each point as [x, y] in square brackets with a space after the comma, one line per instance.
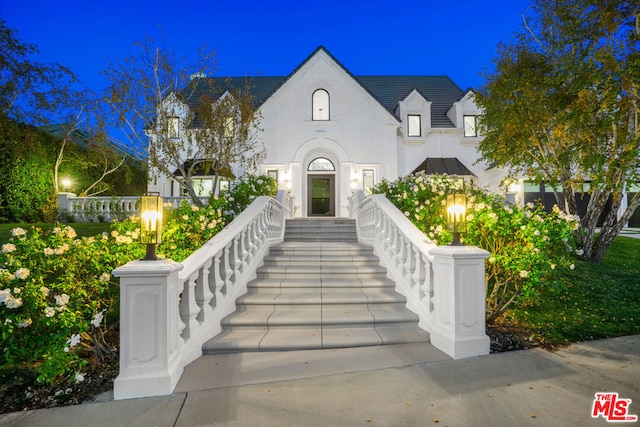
[444, 285]
[168, 310]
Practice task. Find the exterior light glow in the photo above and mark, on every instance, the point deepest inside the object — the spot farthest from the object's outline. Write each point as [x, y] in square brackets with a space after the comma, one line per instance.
[456, 216]
[66, 184]
[151, 223]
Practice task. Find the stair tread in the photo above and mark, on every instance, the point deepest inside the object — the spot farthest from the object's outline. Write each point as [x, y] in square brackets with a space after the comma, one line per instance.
[319, 288]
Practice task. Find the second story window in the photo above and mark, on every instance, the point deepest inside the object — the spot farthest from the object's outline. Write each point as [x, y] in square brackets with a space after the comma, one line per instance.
[320, 105]
[470, 126]
[414, 125]
[173, 127]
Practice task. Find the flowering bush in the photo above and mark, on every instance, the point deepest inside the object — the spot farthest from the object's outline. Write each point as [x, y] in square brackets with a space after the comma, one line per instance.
[57, 296]
[527, 245]
[243, 192]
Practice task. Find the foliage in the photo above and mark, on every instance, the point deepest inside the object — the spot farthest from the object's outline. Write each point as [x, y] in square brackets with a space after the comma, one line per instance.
[172, 113]
[562, 106]
[599, 301]
[57, 296]
[29, 90]
[528, 246]
[243, 192]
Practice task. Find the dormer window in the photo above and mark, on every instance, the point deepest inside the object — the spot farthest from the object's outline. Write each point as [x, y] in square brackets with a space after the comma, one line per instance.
[414, 125]
[173, 127]
[320, 105]
[471, 126]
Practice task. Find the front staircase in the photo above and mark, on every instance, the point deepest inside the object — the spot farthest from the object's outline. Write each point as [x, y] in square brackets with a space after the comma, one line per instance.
[319, 289]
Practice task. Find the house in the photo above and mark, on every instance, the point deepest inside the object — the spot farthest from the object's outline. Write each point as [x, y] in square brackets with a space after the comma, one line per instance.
[328, 132]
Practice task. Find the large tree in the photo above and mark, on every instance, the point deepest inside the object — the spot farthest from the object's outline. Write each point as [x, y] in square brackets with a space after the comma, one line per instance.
[30, 91]
[562, 107]
[180, 119]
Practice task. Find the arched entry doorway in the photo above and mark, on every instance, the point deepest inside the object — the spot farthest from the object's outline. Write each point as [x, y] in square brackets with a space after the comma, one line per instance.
[321, 187]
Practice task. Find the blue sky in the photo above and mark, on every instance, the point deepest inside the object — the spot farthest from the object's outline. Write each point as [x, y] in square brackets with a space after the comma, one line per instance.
[454, 38]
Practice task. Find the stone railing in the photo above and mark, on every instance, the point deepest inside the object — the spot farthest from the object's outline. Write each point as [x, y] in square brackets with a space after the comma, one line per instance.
[444, 285]
[106, 209]
[168, 310]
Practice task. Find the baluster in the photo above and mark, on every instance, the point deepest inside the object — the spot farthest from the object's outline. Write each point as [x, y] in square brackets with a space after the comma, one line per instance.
[408, 263]
[418, 274]
[203, 293]
[218, 281]
[188, 306]
[228, 267]
[235, 262]
[427, 286]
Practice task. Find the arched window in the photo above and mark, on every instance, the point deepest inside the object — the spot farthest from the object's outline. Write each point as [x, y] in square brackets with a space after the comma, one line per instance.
[320, 105]
[321, 164]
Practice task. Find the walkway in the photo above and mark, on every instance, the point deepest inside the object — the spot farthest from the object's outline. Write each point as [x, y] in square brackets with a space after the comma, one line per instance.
[522, 388]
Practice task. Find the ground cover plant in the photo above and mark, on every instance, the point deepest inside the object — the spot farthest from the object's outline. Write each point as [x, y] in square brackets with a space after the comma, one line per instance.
[538, 292]
[59, 303]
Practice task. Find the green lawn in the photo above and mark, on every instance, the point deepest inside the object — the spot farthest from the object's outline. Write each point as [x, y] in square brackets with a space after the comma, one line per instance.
[599, 301]
[84, 229]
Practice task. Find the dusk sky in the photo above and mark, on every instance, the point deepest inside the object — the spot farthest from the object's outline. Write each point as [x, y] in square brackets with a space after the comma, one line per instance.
[454, 38]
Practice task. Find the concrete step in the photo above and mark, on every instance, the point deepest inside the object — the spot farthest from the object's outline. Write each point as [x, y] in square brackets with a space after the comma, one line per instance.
[318, 294]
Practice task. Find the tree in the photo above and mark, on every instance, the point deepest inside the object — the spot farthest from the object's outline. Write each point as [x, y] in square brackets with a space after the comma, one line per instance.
[29, 91]
[562, 106]
[178, 118]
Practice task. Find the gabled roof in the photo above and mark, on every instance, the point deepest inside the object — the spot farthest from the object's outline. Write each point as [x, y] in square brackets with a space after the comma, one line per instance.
[441, 91]
[443, 165]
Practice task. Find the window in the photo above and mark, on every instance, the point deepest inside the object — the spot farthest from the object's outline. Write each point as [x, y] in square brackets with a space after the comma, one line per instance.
[321, 164]
[414, 127]
[367, 180]
[224, 186]
[320, 105]
[173, 127]
[229, 127]
[471, 126]
[273, 173]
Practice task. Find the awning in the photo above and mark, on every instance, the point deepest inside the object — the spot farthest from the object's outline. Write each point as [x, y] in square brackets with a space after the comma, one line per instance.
[443, 166]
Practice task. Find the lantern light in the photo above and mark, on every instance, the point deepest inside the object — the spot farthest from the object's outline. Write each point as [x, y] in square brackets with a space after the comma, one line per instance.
[66, 184]
[151, 223]
[456, 216]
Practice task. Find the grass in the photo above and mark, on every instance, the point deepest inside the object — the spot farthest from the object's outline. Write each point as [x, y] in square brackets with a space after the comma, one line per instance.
[83, 229]
[595, 301]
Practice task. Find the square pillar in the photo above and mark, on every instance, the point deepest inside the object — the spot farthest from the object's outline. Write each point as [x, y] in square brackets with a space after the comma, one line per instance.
[458, 327]
[149, 329]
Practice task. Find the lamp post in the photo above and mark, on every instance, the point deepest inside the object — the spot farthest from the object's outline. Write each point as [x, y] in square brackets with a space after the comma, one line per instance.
[66, 184]
[456, 216]
[151, 224]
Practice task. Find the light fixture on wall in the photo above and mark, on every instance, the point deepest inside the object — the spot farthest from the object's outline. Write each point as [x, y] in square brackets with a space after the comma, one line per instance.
[151, 223]
[456, 216]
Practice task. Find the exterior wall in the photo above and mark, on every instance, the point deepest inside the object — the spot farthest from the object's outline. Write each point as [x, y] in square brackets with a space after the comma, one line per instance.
[360, 132]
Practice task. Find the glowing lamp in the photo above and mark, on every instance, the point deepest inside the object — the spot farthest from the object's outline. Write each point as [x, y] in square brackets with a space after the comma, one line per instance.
[151, 223]
[66, 184]
[456, 216]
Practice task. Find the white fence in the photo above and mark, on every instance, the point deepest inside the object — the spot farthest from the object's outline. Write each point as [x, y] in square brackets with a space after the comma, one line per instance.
[106, 209]
[168, 310]
[444, 285]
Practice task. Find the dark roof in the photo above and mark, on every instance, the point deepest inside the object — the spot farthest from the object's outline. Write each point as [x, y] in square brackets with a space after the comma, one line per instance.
[443, 165]
[441, 91]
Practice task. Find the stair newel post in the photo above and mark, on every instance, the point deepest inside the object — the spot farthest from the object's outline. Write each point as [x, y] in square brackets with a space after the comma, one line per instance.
[458, 326]
[188, 306]
[203, 292]
[150, 325]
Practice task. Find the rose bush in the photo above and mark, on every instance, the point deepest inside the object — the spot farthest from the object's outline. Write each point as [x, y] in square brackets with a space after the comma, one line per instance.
[527, 245]
[57, 296]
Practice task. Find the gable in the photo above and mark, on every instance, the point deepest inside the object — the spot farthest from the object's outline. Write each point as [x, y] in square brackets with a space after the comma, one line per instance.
[387, 91]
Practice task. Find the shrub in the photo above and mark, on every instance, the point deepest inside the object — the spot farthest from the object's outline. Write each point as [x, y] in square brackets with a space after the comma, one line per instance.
[57, 296]
[527, 245]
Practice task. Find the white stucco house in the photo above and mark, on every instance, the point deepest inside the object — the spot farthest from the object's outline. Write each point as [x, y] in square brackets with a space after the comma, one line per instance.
[327, 132]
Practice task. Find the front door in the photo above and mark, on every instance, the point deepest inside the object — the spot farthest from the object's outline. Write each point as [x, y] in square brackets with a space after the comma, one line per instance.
[321, 192]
